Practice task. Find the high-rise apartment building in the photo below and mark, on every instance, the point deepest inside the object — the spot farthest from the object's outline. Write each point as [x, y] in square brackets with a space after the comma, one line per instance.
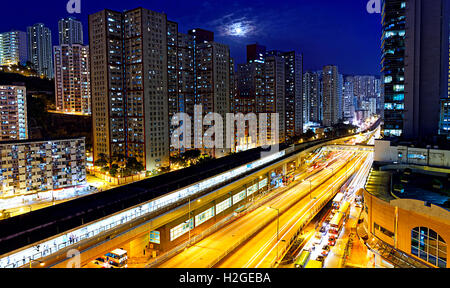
[41, 165]
[261, 88]
[415, 66]
[294, 93]
[72, 79]
[40, 49]
[13, 111]
[393, 67]
[330, 95]
[70, 31]
[13, 48]
[320, 80]
[340, 96]
[143, 72]
[128, 53]
[426, 70]
[180, 69]
[213, 81]
[311, 97]
[445, 99]
[256, 53]
[348, 98]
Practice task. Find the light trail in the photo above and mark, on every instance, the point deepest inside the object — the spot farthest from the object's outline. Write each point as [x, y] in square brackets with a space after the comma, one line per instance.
[302, 211]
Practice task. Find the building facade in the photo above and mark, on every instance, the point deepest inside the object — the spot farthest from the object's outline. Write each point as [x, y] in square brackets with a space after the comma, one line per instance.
[393, 67]
[426, 70]
[294, 93]
[311, 97]
[13, 48]
[70, 31]
[13, 111]
[128, 53]
[348, 99]
[261, 89]
[72, 79]
[34, 166]
[330, 95]
[40, 49]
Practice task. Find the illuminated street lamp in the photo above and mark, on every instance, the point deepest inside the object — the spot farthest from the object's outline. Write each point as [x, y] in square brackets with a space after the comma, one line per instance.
[278, 227]
[37, 261]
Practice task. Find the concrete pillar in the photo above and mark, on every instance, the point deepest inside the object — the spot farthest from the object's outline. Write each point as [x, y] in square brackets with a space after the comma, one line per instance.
[136, 247]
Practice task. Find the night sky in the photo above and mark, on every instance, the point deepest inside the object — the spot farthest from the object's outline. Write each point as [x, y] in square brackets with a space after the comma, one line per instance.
[327, 32]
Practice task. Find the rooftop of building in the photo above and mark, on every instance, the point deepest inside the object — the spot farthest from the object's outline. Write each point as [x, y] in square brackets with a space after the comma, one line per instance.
[430, 185]
[439, 142]
[24, 141]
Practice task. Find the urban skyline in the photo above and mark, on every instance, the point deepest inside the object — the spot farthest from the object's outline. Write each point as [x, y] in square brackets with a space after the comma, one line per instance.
[260, 28]
[159, 144]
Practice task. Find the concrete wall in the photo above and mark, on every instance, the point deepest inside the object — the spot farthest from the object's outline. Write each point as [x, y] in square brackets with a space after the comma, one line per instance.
[384, 152]
[401, 216]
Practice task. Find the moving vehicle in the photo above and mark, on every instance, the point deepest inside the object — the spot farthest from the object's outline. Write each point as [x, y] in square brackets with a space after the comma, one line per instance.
[314, 264]
[100, 262]
[117, 258]
[318, 238]
[326, 250]
[302, 259]
[338, 221]
[320, 258]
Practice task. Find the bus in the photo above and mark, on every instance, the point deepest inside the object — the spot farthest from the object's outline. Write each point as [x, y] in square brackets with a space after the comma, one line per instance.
[117, 258]
[337, 222]
[337, 200]
[302, 259]
[314, 264]
[345, 209]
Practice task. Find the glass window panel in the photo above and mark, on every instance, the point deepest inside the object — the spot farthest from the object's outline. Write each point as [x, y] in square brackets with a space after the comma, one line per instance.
[415, 234]
[415, 251]
[433, 234]
[415, 243]
[432, 250]
[423, 255]
[432, 260]
[422, 246]
[416, 229]
[423, 231]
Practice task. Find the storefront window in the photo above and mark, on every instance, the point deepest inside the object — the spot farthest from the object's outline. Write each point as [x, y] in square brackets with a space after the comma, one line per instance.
[429, 246]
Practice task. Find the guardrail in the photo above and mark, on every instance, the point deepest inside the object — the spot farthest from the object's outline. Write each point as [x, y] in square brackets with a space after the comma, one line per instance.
[309, 218]
[267, 222]
[250, 207]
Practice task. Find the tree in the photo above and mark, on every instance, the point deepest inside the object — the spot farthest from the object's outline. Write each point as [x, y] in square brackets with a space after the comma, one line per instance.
[133, 166]
[191, 156]
[102, 160]
[114, 170]
[309, 134]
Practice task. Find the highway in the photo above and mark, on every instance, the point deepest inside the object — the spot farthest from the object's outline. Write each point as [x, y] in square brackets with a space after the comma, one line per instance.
[208, 251]
[263, 250]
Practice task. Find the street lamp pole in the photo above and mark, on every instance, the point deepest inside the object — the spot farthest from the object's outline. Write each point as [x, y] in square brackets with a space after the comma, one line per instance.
[189, 221]
[278, 227]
